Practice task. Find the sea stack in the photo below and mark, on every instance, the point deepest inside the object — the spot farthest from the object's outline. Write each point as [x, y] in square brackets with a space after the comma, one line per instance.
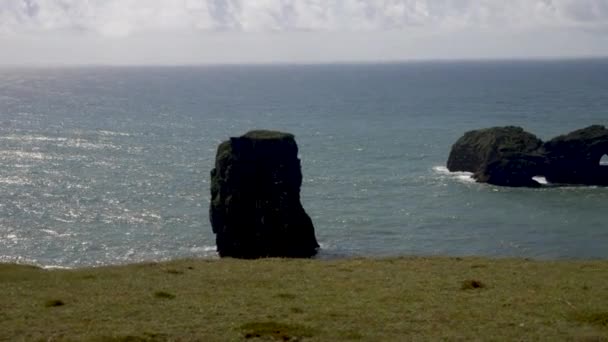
[506, 156]
[255, 209]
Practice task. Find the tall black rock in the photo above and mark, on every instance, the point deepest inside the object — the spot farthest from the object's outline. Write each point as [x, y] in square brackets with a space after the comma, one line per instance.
[255, 206]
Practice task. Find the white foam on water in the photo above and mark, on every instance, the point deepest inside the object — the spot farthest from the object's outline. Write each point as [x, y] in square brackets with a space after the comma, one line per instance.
[87, 145]
[152, 215]
[54, 267]
[206, 251]
[77, 186]
[465, 177]
[32, 138]
[203, 249]
[62, 220]
[54, 233]
[127, 216]
[324, 245]
[14, 181]
[20, 155]
[113, 134]
[19, 260]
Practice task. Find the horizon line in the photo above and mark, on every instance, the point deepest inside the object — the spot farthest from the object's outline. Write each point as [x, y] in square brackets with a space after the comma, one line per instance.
[308, 63]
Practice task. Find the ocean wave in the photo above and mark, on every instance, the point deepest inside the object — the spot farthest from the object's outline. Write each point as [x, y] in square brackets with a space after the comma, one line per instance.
[113, 134]
[541, 180]
[15, 181]
[54, 233]
[21, 155]
[143, 217]
[87, 145]
[78, 143]
[33, 138]
[55, 267]
[12, 237]
[465, 177]
[204, 249]
[15, 259]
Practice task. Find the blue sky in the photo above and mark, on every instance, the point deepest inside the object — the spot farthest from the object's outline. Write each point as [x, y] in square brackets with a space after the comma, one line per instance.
[301, 31]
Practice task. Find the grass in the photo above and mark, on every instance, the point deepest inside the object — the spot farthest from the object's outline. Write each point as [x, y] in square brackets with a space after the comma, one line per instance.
[277, 331]
[164, 295]
[308, 300]
[594, 318]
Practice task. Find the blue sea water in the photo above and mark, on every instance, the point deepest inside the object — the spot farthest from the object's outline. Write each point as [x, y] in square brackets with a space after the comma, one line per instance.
[109, 165]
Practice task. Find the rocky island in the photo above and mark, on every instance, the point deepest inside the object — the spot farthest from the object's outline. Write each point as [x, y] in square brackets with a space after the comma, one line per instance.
[510, 156]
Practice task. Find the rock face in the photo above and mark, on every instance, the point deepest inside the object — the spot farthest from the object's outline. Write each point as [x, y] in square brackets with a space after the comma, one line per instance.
[509, 156]
[505, 156]
[512, 169]
[574, 158]
[255, 198]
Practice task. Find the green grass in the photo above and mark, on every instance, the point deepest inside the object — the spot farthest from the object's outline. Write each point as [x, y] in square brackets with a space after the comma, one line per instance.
[308, 300]
[274, 330]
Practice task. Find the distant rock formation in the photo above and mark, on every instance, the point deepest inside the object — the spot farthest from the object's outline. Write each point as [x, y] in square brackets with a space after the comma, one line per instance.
[499, 155]
[510, 156]
[255, 206]
[574, 158]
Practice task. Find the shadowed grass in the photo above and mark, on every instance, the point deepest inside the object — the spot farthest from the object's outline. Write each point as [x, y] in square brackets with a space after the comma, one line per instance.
[593, 318]
[145, 337]
[53, 303]
[164, 295]
[472, 285]
[173, 271]
[308, 300]
[286, 296]
[275, 330]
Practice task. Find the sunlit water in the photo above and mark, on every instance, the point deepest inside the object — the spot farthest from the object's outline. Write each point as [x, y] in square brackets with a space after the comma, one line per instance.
[111, 165]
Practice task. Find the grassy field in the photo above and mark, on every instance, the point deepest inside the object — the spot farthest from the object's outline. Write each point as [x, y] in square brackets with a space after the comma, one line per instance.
[308, 300]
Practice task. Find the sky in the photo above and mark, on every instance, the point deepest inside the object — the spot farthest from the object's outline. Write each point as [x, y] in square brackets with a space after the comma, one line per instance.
[178, 32]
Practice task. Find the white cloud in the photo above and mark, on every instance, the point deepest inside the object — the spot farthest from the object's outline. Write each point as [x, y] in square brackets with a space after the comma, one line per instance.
[202, 31]
[124, 17]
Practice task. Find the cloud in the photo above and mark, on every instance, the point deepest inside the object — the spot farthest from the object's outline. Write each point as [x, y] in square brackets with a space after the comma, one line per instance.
[119, 18]
[265, 31]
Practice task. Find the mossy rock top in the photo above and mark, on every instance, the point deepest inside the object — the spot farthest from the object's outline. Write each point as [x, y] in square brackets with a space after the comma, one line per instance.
[503, 139]
[268, 135]
[581, 139]
[265, 144]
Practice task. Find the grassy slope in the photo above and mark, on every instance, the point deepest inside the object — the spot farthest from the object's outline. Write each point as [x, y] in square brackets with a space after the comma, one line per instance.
[368, 300]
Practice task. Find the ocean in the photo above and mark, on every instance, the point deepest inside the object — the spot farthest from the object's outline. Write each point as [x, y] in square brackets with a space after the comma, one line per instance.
[110, 165]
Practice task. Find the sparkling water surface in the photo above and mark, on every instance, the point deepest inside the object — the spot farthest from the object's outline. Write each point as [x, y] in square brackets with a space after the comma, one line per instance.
[111, 165]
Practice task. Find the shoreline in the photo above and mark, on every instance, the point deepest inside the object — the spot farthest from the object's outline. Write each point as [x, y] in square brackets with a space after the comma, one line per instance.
[360, 299]
[317, 258]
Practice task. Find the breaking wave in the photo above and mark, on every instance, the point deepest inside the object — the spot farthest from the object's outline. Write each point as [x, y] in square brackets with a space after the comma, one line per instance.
[464, 177]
